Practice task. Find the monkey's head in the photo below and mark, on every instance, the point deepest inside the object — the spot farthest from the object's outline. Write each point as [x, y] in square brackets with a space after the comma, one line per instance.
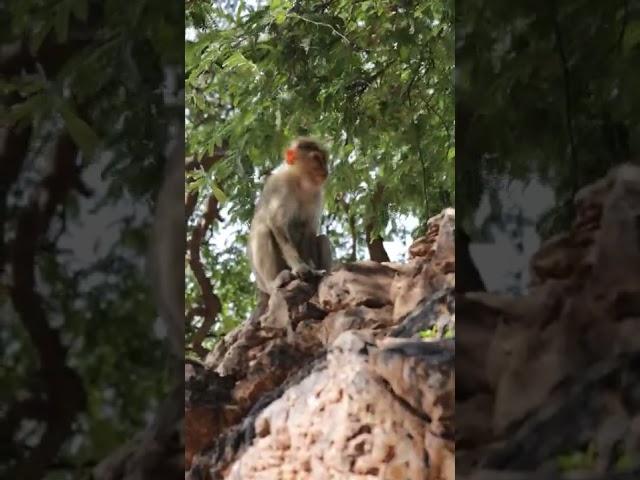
[308, 158]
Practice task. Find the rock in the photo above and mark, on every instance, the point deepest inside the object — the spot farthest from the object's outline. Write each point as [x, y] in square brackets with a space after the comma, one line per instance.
[431, 267]
[438, 310]
[356, 318]
[439, 243]
[364, 283]
[550, 372]
[340, 423]
[333, 381]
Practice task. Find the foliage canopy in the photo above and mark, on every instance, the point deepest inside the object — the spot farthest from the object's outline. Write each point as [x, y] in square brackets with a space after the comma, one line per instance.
[85, 123]
[374, 79]
[549, 91]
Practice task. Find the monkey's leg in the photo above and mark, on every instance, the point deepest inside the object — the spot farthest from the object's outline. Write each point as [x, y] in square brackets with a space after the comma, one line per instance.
[293, 254]
[323, 253]
[319, 254]
[267, 260]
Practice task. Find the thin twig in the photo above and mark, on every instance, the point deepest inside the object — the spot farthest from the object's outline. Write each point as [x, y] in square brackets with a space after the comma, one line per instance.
[424, 175]
[321, 24]
[623, 28]
[566, 76]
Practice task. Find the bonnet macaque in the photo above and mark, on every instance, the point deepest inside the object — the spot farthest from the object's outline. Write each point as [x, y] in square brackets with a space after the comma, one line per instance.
[284, 230]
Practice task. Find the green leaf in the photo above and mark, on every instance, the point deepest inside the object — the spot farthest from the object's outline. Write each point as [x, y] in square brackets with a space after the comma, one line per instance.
[237, 60]
[79, 8]
[38, 36]
[82, 134]
[24, 88]
[218, 193]
[631, 36]
[196, 184]
[62, 22]
[280, 16]
[31, 107]
[430, 333]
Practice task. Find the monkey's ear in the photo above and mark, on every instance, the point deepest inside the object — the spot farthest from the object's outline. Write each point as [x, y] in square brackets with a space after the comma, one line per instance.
[290, 156]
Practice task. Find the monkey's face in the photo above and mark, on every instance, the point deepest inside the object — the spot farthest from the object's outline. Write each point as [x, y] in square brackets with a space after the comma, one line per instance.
[314, 164]
[310, 161]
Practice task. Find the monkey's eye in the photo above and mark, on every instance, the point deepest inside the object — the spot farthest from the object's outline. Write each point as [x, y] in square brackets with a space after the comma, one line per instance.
[317, 157]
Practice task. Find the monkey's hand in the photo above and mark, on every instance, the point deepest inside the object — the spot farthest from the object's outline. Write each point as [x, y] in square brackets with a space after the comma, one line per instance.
[304, 271]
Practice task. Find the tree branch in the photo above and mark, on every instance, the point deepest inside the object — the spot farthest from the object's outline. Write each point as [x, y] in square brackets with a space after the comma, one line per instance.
[321, 24]
[566, 77]
[65, 391]
[352, 228]
[375, 245]
[212, 304]
[11, 160]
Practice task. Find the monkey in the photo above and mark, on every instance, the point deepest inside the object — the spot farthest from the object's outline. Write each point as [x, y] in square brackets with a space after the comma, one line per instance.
[283, 232]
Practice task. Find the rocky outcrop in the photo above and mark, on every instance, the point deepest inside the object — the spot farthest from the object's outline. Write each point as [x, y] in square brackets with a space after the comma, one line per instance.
[332, 381]
[553, 376]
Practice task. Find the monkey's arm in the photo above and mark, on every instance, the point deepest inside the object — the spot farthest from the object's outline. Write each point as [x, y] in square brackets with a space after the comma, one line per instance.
[287, 247]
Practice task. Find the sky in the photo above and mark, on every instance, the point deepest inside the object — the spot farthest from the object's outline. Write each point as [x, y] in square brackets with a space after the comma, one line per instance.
[500, 261]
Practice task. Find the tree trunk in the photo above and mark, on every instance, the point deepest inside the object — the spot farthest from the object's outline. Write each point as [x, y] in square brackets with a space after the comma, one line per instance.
[468, 277]
[377, 253]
